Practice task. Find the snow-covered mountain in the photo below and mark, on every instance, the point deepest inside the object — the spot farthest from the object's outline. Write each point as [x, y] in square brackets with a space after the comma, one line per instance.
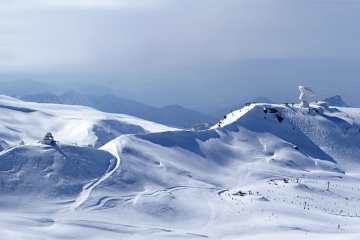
[174, 115]
[336, 101]
[265, 169]
[29, 122]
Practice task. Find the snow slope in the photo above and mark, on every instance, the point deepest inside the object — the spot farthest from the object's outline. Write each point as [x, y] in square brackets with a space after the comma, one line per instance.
[245, 179]
[193, 181]
[29, 122]
[53, 174]
[264, 170]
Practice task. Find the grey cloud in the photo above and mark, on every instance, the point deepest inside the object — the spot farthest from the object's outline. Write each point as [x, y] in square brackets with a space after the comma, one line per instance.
[187, 33]
[176, 44]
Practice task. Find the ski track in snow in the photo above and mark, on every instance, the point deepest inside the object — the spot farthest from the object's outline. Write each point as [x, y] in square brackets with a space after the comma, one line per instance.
[134, 199]
[84, 195]
[8, 150]
[212, 215]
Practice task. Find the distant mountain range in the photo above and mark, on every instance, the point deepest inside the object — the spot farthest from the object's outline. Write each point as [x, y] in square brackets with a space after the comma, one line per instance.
[104, 99]
[25, 87]
[173, 115]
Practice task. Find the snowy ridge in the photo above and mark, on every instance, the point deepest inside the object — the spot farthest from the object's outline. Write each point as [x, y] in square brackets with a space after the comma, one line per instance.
[331, 133]
[268, 169]
[29, 122]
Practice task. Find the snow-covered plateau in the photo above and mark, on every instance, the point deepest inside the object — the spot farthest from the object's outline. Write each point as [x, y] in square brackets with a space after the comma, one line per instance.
[266, 170]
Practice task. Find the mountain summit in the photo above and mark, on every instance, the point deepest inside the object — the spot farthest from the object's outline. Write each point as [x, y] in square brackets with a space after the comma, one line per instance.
[336, 101]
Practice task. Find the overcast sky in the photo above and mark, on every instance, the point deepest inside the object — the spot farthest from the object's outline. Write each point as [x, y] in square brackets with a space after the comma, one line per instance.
[186, 51]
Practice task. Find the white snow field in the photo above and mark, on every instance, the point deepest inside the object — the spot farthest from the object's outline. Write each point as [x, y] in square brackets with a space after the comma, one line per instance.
[84, 126]
[265, 171]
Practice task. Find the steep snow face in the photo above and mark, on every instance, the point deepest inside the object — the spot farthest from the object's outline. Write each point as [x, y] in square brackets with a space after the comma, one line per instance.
[49, 173]
[325, 133]
[334, 130]
[29, 122]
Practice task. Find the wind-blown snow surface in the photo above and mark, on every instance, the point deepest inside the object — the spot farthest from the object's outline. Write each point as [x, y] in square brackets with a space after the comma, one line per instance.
[29, 122]
[274, 170]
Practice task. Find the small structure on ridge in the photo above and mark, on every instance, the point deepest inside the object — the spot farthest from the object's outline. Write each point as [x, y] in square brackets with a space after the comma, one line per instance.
[48, 139]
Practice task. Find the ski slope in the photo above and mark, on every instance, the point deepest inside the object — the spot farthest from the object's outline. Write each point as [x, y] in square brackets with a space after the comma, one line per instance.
[265, 170]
